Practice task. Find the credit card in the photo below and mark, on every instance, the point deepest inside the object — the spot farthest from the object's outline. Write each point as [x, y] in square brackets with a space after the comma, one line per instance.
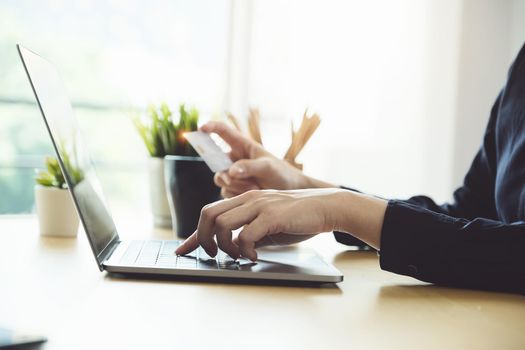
[209, 151]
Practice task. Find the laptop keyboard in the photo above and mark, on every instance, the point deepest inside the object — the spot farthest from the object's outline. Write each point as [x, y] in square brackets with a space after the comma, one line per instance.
[160, 253]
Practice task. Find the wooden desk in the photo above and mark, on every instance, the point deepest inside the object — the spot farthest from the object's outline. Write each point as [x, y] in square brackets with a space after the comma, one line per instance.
[53, 285]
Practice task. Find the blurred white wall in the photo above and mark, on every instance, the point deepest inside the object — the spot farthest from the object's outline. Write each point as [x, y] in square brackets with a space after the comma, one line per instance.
[404, 87]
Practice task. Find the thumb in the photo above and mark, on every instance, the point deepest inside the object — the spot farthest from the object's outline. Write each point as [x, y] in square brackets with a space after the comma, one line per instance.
[245, 168]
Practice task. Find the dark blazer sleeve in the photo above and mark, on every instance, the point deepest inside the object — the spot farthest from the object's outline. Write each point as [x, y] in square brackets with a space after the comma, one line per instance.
[459, 244]
[438, 248]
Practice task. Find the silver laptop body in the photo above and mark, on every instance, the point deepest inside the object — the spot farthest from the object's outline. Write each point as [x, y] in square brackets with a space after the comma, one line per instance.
[149, 256]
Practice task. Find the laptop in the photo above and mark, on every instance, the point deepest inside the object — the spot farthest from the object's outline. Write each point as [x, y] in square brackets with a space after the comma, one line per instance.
[154, 257]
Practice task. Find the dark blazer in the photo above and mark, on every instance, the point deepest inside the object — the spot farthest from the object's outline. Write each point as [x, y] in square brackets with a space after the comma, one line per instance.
[478, 241]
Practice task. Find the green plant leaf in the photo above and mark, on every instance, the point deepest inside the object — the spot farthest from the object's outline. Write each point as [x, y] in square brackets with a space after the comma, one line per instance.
[53, 175]
[45, 179]
[145, 135]
[161, 135]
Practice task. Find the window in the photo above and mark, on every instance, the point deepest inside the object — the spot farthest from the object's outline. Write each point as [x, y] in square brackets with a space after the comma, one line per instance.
[114, 56]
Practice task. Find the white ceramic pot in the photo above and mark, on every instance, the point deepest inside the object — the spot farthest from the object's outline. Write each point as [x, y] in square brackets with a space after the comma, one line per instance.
[57, 215]
[158, 196]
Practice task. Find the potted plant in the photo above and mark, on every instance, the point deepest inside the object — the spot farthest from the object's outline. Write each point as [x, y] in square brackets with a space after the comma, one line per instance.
[180, 181]
[56, 211]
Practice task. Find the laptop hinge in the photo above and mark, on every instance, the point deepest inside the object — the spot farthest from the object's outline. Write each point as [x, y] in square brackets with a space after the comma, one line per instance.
[108, 251]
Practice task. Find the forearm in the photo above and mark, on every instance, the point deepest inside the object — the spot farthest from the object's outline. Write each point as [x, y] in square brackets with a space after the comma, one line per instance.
[310, 182]
[359, 215]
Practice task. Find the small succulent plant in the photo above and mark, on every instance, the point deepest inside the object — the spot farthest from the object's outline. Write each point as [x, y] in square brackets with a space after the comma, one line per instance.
[163, 134]
[53, 177]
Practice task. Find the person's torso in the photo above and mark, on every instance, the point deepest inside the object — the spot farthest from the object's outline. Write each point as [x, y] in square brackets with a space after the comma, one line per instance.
[510, 146]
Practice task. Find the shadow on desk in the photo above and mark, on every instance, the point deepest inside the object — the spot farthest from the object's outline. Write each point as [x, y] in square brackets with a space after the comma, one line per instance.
[424, 291]
[355, 256]
[221, 280]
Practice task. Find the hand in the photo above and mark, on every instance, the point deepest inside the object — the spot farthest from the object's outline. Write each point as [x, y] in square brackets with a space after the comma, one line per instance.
[254, 167]
[267, 172]
[267, 217]
[241, 146]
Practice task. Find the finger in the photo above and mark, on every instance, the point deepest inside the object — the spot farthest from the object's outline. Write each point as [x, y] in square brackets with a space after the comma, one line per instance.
[227, 194]
[206, 225]
[190, 244]
[229, 221]
[222, 179]
[241, 186]
[279, 239]
[252, 233]
[263, 242]
[246, 168]
[238, 187]
[233, 137]
[225, 242]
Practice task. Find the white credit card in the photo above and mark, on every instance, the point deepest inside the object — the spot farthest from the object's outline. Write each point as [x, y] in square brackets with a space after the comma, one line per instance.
[214, 157]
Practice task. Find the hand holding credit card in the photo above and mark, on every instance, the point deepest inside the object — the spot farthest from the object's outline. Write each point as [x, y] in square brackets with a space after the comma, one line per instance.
[209, 151]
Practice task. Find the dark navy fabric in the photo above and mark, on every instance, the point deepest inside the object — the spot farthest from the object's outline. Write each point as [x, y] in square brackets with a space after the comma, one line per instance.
[478, 240]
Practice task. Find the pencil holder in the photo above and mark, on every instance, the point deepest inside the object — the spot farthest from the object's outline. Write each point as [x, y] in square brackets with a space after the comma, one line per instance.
[190, 187]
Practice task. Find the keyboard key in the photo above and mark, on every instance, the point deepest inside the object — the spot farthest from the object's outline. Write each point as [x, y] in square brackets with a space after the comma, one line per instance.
[229, 265]
[186, 259]
[162, 253]
[132, 252]
[149, 253]
[168, 247]
[201, 254]
[207, 264]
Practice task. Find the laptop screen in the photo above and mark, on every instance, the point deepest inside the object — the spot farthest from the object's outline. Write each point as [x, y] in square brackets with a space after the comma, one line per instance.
[74, 161]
